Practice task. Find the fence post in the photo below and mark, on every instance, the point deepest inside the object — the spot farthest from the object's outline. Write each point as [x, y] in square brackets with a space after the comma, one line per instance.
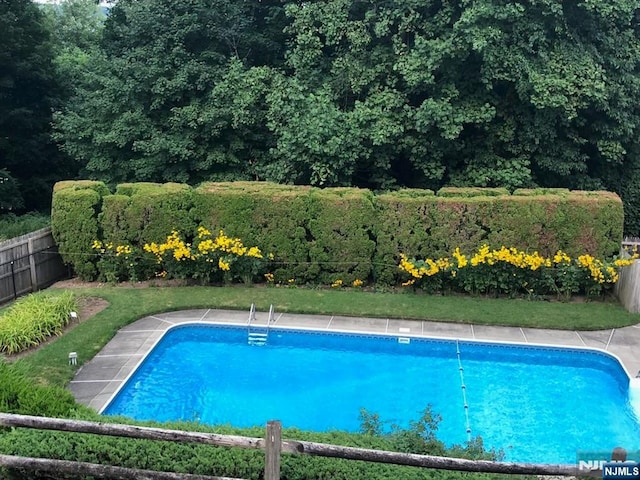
[273, 448]
[32, 266]
[13, 281]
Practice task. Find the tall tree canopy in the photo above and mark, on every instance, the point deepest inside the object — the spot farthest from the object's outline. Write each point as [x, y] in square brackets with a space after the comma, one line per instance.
[176, 93]
[28, 95]
[420, 93]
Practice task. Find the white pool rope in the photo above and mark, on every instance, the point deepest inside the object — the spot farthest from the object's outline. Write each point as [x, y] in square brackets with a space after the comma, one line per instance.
[464, 393]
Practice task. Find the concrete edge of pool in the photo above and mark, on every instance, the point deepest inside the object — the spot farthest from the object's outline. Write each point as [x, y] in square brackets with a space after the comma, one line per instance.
[97, 381]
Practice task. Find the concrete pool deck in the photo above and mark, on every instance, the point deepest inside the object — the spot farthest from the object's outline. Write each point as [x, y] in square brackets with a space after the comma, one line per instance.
[100, 378]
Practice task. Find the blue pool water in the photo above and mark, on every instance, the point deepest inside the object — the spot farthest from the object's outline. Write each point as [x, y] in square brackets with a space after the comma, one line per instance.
[538, 404]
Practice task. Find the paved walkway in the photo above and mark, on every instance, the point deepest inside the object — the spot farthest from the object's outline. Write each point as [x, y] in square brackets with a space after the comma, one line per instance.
[97, 381]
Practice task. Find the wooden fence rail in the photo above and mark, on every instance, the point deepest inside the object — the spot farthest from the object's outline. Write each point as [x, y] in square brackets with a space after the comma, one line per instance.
[28, 263]
[272, 444]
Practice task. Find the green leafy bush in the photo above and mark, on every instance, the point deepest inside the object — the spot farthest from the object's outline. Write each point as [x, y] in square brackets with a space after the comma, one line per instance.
[12, 226]
[74, 222]
[33, 319]
[120, 263]
[19, 395]
[207, 258]
[341, 240]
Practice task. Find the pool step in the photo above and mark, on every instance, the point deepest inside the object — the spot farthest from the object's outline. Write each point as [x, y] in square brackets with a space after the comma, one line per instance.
[258, 338]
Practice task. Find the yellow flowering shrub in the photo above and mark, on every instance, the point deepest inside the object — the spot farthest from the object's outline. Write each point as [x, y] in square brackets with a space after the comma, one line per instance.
[118, 263]
[513, 272]
[207, 258]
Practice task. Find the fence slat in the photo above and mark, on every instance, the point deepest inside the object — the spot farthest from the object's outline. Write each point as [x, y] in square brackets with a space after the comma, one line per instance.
[96, 470]
[30, 262]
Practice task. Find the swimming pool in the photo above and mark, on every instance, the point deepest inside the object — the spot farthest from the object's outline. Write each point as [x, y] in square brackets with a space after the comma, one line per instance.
[538, 404]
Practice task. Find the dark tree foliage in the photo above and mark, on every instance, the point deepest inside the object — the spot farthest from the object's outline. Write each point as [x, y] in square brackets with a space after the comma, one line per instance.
[370, 93]
[177, 93]
[28, 95]
[484, 93]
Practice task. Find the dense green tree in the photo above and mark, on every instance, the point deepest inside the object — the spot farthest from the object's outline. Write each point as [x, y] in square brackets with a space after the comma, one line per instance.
[28, 95]
[76, 31]
[10, 196]
[419, 93]
[177, 93]
[485, 93]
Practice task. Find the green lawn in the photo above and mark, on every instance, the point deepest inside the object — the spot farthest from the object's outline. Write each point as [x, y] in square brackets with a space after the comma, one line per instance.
[127, 304]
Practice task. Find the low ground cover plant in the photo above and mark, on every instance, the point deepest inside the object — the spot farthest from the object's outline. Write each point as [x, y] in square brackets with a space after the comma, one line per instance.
[33, 319]
[18, 394]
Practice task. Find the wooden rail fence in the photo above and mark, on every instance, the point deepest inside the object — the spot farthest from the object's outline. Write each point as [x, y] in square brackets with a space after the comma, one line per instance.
[272, 444]
[28, 263]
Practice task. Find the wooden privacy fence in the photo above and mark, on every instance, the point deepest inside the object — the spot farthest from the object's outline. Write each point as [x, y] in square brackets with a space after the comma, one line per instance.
[272, 443]
[28, 263]
[627, 288]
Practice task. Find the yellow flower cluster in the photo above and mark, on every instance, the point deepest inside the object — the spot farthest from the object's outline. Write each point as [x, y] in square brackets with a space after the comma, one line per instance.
[357, 283]
[181, 250]
[224, 244]
[460, 258]
[599, 271]
[109, 247]
[422, 268]
[625, 262]
[561, 258]
[123, 250]
[337, 284]
[512, 256]
[184, 251]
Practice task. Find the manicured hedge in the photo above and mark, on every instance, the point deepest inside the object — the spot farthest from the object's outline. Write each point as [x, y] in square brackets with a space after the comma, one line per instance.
[152, 211]
[405, 219]
[74, 222]
[316, 235]
[324, 235]
[341, 226]
[273, 217]
[543, 221]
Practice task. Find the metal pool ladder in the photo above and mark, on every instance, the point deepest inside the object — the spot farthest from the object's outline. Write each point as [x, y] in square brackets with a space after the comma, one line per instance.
[258, 334]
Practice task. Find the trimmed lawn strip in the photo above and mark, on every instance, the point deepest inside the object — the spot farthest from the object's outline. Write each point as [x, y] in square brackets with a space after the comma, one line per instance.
[127, 304]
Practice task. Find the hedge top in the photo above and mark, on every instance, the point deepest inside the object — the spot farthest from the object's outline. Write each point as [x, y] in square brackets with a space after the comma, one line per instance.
[258, 187]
